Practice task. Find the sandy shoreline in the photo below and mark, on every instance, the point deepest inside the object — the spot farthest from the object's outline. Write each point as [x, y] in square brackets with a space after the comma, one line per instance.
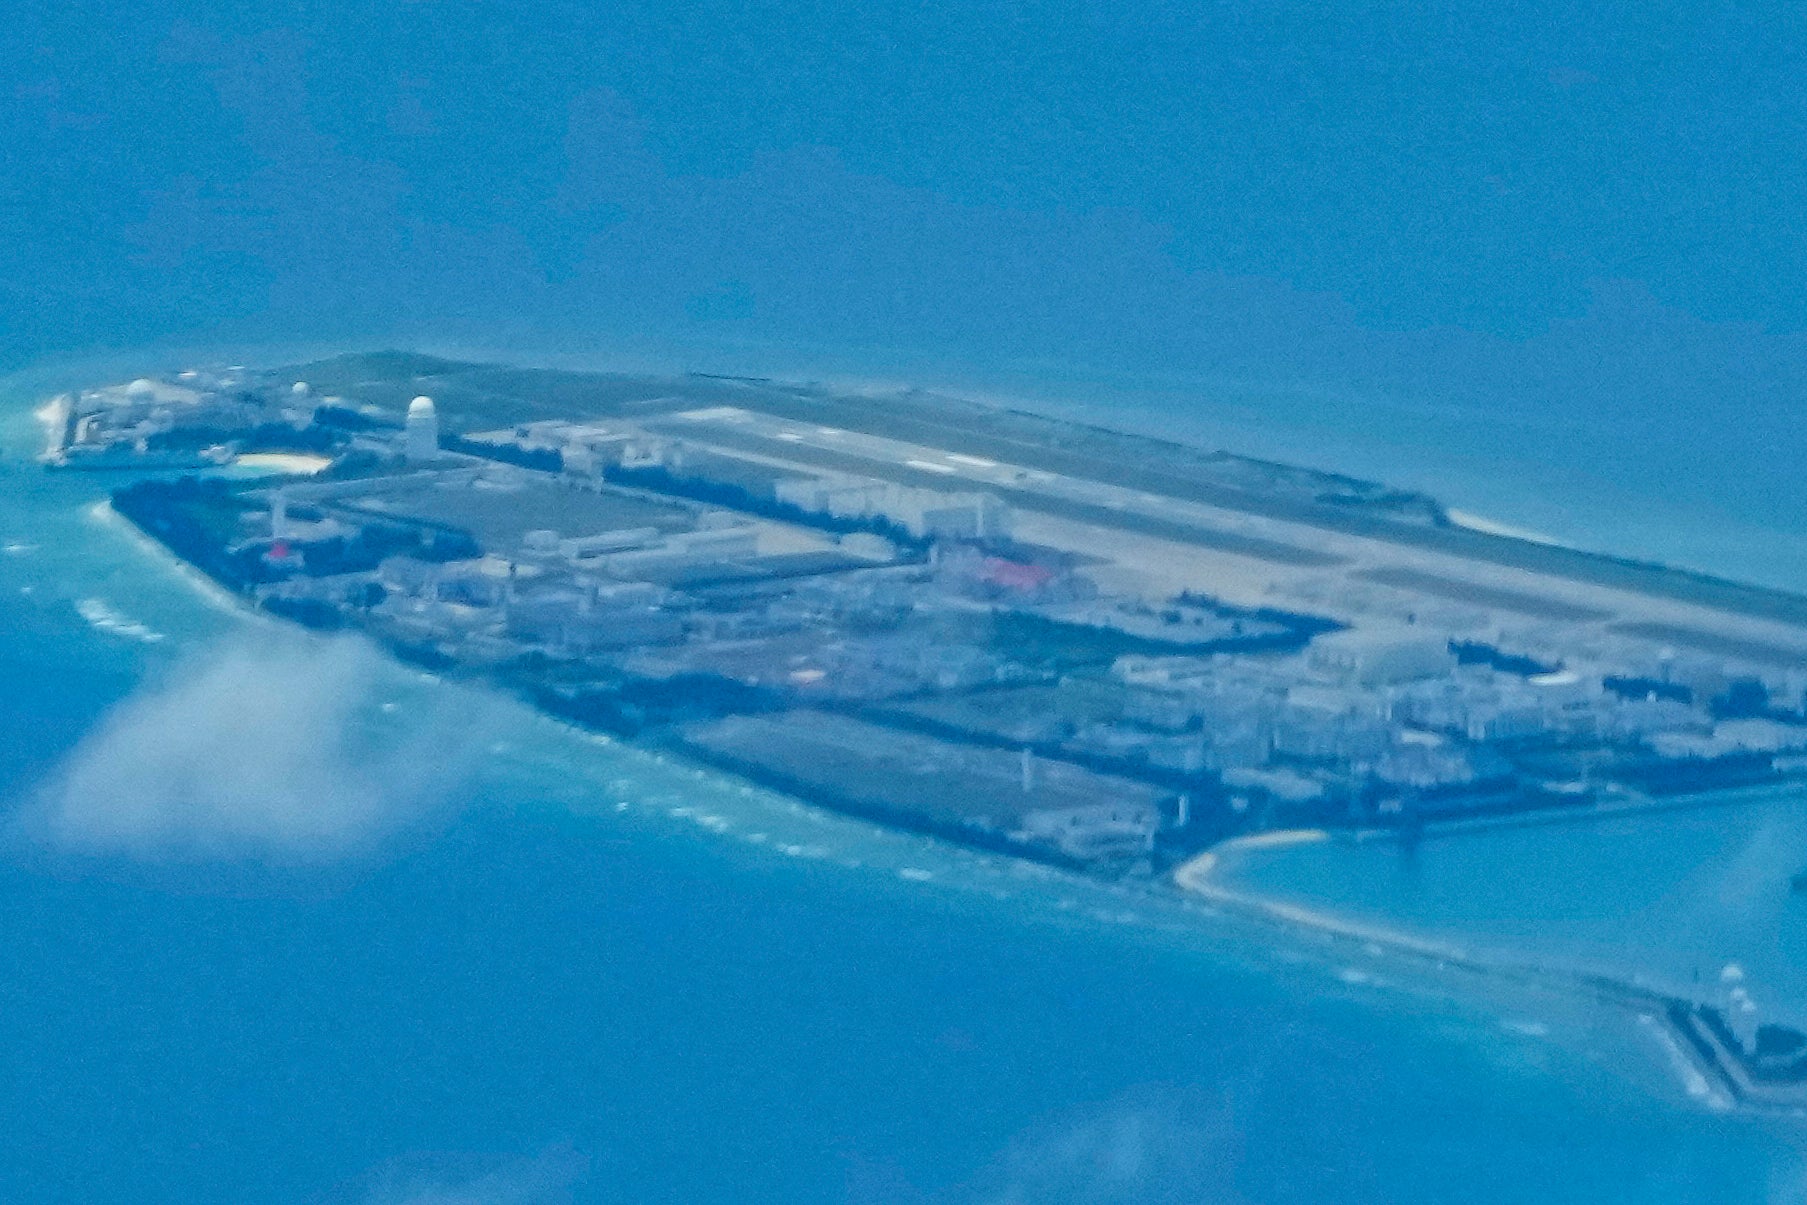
[1486, 526]
[299, 464]
[216, 595]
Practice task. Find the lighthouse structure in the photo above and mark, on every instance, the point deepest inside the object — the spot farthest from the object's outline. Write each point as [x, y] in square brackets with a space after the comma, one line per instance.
[421, 440]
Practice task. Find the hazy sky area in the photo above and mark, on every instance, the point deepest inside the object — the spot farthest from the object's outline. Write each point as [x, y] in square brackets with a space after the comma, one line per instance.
[1489, 210]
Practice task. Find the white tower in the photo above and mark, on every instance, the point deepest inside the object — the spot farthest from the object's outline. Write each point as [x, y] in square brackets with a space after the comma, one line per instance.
[301, 404]
[422, 442]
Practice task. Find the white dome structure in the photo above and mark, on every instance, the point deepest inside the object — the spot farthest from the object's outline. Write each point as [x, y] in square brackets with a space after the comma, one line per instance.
[422, 439]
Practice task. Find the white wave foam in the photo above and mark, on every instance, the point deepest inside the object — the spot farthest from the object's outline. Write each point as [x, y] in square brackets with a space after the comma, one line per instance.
[105, 618]
[212, 592]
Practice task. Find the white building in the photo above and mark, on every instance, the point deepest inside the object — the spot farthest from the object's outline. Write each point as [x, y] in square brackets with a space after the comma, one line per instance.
[1370, 658]
[924, 513]
[1109, 829]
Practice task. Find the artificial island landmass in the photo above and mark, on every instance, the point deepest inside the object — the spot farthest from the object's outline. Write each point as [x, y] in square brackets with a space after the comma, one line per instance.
[1062, 642]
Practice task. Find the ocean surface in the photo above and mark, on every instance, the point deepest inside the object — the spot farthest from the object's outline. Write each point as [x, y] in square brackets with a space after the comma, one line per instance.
[282, 921]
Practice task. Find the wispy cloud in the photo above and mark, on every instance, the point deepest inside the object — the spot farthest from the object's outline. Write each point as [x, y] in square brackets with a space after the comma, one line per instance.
[1145, 1149]
[543, 1179]
[262, 749]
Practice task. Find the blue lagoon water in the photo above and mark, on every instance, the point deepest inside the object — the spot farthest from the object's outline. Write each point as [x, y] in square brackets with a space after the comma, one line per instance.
[552, 968]
[1669, 897]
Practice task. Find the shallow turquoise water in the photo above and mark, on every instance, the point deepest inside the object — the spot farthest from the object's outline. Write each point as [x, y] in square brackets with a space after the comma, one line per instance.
[1669, 897]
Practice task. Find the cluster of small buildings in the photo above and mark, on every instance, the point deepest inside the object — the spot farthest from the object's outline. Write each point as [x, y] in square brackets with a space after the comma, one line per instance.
[125, 420]
[206, 419]
[893, 649]
[923, 513]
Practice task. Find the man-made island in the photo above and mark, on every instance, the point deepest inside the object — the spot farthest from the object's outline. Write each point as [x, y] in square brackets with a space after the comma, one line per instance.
[1067, 643]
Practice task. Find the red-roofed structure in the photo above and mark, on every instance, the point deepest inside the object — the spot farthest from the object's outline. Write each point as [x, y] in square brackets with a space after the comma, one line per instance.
[1014, 575]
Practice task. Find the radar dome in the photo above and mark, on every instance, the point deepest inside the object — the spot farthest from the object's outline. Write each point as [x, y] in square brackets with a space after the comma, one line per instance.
[421, 405]
[142, 387]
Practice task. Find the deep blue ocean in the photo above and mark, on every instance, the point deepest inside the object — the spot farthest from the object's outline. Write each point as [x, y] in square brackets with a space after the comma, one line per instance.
[283, 922]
